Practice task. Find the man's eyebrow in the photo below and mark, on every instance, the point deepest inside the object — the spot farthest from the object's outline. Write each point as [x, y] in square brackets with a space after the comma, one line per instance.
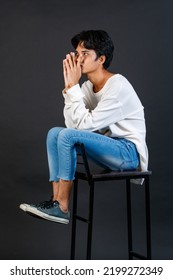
[83, 51]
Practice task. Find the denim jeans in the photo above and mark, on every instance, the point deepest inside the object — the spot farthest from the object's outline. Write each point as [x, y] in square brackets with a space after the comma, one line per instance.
[111, 153]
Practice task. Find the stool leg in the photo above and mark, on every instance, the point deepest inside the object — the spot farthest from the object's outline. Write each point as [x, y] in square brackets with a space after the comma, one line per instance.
[148, 221]
[90, 219]
[129, 217]
[73, 235]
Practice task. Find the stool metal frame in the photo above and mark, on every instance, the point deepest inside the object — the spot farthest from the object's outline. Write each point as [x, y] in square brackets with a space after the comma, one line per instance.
[110, 176]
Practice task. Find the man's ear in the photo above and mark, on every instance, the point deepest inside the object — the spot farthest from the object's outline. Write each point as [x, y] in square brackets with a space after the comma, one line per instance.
[102, 59]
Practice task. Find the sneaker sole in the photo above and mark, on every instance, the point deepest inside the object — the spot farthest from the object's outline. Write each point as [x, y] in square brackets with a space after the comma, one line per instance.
[33, 210]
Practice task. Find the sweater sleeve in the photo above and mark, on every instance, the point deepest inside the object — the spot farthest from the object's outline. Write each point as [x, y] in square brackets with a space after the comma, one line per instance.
[108, 110]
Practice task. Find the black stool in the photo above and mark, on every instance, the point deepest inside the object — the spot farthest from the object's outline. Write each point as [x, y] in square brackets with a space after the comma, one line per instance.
[110, 176]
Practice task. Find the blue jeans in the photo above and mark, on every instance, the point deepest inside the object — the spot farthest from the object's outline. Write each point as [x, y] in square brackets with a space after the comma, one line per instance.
[112, 153]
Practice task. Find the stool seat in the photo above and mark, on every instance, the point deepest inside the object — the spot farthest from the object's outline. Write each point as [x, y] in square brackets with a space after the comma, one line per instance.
[108, 175]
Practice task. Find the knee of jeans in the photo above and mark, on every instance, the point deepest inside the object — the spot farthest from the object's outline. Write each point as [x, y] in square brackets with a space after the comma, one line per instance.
[53, 133]
[67, 135]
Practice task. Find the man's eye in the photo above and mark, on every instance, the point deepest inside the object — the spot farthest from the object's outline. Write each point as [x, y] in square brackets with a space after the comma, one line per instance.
[82, 54]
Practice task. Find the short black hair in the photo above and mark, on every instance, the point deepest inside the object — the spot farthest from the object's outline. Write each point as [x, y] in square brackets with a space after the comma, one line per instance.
[97, 40]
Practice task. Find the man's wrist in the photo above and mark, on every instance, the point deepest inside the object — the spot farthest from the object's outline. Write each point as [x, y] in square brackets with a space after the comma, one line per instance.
[69, 86]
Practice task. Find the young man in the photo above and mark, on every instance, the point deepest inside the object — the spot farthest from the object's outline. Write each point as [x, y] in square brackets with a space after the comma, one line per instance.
[105, 114]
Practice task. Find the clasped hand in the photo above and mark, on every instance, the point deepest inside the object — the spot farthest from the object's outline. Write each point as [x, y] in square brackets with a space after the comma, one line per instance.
[71, 70]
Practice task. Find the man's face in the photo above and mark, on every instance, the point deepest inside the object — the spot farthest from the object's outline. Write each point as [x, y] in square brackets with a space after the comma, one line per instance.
[88, 59]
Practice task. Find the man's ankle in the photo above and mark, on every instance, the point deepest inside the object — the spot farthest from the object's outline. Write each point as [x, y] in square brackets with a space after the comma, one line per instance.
[63, 208]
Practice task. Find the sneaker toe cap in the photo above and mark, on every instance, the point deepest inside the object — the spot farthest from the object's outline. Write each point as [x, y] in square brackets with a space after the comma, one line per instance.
[24, 206]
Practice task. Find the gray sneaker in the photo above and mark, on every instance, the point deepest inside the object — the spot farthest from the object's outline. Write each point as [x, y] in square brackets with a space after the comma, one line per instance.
[48, 210]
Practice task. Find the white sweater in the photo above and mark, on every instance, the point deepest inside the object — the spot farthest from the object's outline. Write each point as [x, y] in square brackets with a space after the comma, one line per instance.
[115, 111]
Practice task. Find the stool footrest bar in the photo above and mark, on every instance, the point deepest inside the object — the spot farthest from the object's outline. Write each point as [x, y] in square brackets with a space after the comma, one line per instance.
[137, 255]
[82, 219]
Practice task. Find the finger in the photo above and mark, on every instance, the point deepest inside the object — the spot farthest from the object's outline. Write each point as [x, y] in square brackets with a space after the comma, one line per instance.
[66, 65]
[65, 74]
[69, 60]
[65, 70]
[79, 63]
[73, 57]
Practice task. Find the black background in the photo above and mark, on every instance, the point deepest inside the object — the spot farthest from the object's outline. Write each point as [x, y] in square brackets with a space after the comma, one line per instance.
[35, 36]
